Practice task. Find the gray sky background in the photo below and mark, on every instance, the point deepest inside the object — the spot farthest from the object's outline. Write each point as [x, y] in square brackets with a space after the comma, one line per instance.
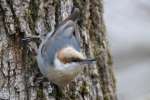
[128, 28]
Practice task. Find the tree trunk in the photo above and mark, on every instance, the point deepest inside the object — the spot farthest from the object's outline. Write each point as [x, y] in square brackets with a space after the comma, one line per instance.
[18, 68]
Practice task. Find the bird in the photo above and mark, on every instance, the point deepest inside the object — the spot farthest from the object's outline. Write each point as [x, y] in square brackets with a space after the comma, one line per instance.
[59, 56]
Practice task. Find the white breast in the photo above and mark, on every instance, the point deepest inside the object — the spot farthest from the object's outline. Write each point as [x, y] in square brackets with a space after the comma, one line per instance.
[62, 74]
[61, 66]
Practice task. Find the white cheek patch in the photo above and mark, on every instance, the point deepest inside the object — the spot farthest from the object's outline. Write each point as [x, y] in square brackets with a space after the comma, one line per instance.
[61, 66]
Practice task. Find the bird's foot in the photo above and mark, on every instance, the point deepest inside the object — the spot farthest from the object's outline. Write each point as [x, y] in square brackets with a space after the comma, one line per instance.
[31, 38]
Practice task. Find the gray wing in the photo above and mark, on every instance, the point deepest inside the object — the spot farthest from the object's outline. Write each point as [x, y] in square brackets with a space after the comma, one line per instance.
[64, 36]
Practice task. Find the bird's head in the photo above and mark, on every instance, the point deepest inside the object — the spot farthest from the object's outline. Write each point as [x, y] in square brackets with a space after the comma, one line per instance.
[69, 57]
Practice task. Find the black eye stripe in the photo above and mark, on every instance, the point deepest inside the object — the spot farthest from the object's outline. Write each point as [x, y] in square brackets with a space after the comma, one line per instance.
[82, 60]
[75, 60]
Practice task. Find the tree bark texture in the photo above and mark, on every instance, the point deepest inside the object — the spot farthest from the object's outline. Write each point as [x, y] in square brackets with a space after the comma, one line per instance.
[18, 67]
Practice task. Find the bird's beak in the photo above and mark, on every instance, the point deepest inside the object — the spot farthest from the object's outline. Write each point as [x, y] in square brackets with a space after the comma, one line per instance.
[87, 61]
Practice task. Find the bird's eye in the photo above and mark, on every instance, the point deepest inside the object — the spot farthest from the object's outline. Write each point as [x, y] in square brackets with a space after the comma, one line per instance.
[75, 60]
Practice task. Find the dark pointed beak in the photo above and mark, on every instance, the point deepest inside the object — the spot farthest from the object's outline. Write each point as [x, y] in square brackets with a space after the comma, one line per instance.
[87, 61]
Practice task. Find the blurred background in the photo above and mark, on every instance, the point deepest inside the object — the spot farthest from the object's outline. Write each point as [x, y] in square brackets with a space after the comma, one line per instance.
[128, 28]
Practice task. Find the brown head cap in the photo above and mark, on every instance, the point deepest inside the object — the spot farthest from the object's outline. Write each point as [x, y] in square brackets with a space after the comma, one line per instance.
[69, 54]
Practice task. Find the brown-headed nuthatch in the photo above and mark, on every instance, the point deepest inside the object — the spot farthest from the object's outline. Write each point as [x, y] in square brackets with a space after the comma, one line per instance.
[59, 57]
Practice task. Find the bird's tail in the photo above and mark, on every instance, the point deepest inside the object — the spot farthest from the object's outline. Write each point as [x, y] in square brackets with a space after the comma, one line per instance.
[75, 13]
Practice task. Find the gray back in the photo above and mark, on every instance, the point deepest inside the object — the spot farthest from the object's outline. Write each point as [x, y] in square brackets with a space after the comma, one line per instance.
[65, 35]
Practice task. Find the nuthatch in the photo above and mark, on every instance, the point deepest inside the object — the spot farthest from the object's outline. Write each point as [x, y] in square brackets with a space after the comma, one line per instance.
[59, 57]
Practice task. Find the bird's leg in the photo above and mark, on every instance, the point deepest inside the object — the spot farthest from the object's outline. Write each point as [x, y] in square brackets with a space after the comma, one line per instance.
[31, 38]
[41, 37]
[32, 42]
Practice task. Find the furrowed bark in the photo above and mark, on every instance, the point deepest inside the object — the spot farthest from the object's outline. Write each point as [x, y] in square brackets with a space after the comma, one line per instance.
[20, 78]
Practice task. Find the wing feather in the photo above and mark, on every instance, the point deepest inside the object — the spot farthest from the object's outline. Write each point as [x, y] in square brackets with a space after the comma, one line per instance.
[63, 36]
